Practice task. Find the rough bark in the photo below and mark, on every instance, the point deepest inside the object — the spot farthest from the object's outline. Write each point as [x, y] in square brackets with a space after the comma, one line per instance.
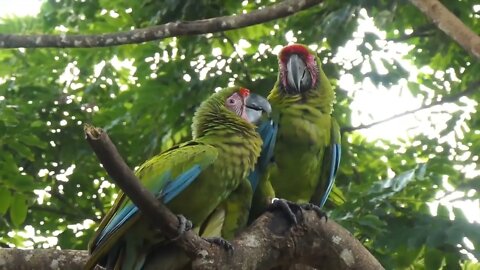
[450, 25]
[269, 242]
[172, 29]
[272, 242]
[42, 259]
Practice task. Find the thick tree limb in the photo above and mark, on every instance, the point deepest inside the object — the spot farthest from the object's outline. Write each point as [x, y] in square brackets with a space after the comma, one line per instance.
[450, 24]
[472, 88]
[173, 29]
[41, 259]
[270, 242]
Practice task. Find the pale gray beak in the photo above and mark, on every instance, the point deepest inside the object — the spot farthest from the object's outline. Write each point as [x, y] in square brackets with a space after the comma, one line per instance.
[256, 105]
[298, 76]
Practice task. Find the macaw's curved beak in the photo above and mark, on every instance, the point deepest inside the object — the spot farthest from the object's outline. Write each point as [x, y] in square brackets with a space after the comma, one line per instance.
[256, 105]
[298, 76]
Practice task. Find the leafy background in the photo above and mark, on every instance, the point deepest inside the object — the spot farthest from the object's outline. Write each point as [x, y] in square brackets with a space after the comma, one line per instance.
[404, 192]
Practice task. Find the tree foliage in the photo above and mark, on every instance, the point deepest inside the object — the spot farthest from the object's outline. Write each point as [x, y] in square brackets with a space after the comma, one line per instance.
[144, 95]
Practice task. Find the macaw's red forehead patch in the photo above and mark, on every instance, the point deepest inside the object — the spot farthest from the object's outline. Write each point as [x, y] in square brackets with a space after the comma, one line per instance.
[244, 92]
[291, 49]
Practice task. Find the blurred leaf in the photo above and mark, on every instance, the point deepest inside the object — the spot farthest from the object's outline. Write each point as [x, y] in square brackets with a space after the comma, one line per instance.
[433, 259]
[5, 199]
[18, 209]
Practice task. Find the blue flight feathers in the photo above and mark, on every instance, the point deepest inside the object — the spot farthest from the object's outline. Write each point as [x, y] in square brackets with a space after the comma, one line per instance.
[335, 158]
[167, 191]
[268, 132]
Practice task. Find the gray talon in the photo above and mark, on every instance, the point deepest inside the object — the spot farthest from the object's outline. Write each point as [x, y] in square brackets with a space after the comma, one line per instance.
[317, 209]
[183, 225]
[286, 207]
[220, 242]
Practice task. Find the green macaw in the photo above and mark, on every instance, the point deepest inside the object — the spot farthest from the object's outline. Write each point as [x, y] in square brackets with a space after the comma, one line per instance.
[301, 151]
[193, 179]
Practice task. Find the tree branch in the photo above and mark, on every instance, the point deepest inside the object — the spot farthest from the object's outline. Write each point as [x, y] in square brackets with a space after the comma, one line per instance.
[270, 242]
[421, 31]
[473, 87]
[172, 29]
[42, 259]
[450, 25]
[152, 208]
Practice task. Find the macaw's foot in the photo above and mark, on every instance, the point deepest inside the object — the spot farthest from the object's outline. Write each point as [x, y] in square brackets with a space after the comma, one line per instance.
[287, 207]
[183, 225]
[219, 241]
[320, 213]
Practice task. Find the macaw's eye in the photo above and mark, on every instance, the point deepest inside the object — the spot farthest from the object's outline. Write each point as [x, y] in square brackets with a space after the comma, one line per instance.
[231, 101]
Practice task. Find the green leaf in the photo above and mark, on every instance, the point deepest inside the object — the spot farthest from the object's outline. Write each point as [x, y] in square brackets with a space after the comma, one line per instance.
[18, 209]
[32, 140]
[452, 262]
[36, 123]
[406, 256]
[23, 150]
[401, 181]
[5, 199]
[433, 259]
[24, 183]
[443, 212]
[372, 221]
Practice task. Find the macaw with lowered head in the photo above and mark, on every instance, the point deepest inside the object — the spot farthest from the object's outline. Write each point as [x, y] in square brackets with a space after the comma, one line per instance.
[192, 179]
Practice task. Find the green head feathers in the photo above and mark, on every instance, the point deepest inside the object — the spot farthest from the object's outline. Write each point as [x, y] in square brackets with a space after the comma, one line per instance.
[300, 78]
[234, 107]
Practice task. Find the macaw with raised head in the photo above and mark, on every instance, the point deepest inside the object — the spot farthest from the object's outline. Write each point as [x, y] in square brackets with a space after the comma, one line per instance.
[301, 151]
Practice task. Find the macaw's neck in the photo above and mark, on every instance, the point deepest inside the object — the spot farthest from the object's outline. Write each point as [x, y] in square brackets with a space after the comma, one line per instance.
[321, 97]
[237, 140]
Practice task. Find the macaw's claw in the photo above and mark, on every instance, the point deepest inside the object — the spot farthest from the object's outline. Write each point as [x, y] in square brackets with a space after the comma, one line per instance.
[183, 225]
[287, 207]
[310, 206]
[219, 241]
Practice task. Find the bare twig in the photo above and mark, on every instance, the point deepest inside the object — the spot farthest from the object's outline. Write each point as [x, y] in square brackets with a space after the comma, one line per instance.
[450, 24]
[173, 29]
[421, 31]
[473, 87]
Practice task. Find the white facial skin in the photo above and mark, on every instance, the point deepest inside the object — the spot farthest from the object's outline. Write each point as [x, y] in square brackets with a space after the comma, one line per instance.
[236, 104]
